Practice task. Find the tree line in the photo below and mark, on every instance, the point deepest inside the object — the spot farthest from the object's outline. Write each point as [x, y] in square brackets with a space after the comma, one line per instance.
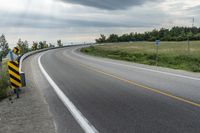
[174, 34]
[24, 46]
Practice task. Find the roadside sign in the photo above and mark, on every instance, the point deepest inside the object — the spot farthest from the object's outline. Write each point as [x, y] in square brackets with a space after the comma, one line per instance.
[157, 42]
[16, 50]
[11, 56]
[15, 78]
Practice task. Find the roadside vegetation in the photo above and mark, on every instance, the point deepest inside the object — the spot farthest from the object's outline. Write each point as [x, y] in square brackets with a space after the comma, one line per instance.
[163, 34]
[4, 82]
[24, 48]
[172, 54]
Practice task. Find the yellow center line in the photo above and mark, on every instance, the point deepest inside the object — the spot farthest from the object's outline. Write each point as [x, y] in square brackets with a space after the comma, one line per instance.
[140, 85]
[143, 86]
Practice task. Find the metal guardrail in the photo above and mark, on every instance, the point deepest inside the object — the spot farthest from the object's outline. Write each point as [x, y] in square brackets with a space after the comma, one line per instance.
[42, 50]
[22, 74]
[29, 54]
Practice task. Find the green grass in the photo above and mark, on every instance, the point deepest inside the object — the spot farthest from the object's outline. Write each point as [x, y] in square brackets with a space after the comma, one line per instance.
[171, 54]
[4, 80]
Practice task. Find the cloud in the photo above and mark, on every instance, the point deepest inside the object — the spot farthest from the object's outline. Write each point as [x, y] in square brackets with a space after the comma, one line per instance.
[39, 21]
[72, 20]
[194, 9]
[109, 4]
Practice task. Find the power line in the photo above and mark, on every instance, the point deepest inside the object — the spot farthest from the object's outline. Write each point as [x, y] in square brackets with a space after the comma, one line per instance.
[193, 22]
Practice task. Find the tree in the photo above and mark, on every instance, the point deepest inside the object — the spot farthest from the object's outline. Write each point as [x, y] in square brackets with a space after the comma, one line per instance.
[26, 45]
[59, 43]
[23, 46]
[4, 46]
[41, 45]
[113, 38]
[51, 45]
[102, 39]
[123, 38]
[35, 46]
[174, 34]
[45, 44]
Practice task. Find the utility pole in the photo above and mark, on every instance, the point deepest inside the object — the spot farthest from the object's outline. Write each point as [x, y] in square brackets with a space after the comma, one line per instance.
[188, 40]
[1, 60]
[193, 22]
[157, 55]
[157, 43]
[188, 46]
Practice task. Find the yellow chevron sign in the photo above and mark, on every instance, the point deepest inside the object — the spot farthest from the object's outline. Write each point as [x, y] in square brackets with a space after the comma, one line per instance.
[15, 79]
[16, 50]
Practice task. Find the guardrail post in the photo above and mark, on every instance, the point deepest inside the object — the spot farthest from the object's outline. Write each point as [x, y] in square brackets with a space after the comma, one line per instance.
[23, 79]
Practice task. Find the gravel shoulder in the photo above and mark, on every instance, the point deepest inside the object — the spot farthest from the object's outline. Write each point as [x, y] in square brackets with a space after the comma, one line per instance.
[28, 114]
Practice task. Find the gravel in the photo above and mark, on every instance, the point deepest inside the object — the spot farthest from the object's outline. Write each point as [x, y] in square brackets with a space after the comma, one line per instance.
[28, 114]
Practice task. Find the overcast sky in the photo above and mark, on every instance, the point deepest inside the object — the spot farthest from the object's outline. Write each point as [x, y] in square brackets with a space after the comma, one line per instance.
[84, 20]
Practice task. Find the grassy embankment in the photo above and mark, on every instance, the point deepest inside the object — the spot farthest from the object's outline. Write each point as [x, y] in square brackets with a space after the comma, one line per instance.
[4, 82]
[171, 54]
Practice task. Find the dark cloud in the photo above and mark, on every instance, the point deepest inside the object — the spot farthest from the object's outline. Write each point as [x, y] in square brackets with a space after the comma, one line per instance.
[59, 24]
[109, 4]
[194, 8]
[47, 22]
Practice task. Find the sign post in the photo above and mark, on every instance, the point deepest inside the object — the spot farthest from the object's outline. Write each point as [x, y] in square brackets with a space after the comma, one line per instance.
[11, 56]
[13, 70]
[1, 61]
[17, 78]
[1, 58]
[157, 43]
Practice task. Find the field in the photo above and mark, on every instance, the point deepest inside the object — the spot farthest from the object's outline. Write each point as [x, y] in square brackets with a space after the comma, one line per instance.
[4, 83]
[175, 55]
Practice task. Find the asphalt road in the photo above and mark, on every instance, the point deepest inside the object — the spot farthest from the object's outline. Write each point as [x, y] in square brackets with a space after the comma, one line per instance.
[115, 96]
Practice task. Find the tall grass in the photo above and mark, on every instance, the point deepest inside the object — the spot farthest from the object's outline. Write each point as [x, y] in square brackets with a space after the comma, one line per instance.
[171, 54]
[4, 81]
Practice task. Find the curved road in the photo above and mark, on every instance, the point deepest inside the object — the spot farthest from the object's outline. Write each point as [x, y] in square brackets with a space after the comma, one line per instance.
[92, 94]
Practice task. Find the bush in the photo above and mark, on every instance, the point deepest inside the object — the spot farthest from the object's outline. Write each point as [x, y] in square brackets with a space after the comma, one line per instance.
[172, 60]
[4, 82]
[3, 93]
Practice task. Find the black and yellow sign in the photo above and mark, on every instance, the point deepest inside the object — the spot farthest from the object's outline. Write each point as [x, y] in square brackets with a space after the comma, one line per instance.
[16, 50]
[13, 69]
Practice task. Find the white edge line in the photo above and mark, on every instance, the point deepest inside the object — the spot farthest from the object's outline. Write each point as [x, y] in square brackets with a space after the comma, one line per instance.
[82, 121]
[141, 68]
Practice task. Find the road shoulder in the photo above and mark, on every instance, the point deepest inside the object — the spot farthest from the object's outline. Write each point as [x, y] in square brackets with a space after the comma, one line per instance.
[28, 114]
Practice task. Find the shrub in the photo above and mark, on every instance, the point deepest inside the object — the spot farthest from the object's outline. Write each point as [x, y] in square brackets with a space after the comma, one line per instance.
[4, 82]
